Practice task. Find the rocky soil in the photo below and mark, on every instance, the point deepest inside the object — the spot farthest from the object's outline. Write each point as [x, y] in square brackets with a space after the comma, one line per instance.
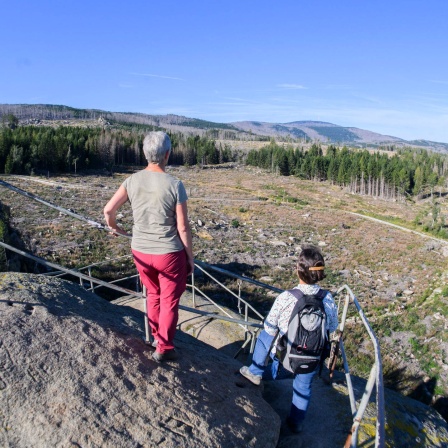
[74, 371]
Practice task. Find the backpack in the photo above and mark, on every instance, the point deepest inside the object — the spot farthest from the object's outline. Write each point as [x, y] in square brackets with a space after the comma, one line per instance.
[301, 348]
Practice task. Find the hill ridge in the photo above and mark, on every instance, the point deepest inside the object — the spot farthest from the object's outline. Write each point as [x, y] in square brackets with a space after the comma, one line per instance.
[304, 130]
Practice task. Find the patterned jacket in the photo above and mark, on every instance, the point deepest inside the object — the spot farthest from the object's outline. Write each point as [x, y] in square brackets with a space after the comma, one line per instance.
[280, 314]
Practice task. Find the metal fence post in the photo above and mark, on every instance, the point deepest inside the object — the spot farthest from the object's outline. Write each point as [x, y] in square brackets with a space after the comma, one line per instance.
[147, 337]
[90, 275]
[193, 291]
[239, 282]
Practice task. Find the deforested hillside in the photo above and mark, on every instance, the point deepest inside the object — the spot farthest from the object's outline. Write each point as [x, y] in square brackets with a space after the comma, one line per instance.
[328, 133]
[298, 131]
[72, 146]
[58, 115]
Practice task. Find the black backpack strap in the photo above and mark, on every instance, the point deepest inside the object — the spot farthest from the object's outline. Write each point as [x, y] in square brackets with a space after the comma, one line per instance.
[321, 294]
[298, 294]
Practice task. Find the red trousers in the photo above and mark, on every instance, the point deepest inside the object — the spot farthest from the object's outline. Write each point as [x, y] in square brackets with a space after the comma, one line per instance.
[165, 278]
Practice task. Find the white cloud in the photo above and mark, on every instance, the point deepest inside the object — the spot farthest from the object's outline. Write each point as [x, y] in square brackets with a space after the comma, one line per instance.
[151, 75]
[367, 98]
[291, 86]
[438, 82]
[337, 87]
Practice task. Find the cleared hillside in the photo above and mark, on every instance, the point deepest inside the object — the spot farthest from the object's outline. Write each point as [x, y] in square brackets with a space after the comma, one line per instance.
[298, 131]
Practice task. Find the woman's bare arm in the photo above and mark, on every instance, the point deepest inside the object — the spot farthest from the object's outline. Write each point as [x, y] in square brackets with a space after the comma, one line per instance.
[183, 228]
[110, 210]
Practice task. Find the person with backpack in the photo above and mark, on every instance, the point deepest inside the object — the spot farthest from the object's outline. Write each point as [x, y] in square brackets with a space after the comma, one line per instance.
[295, 335]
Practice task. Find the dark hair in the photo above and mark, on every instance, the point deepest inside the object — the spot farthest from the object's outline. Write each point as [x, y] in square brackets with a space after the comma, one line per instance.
[310, 257]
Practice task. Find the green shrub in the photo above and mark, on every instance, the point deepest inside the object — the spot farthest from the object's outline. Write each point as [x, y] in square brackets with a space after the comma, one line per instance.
[415, 345]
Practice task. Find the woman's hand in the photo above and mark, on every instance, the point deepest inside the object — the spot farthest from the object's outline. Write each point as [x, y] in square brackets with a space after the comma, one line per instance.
[190, 265]
[117, 231]
[183, 229]
[110, 211]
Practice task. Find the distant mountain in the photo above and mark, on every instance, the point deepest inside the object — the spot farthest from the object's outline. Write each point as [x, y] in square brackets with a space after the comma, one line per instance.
[331, 133]
[307, 131]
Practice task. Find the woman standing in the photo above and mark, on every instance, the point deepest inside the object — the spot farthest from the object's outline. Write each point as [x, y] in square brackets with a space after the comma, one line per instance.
[161, 239]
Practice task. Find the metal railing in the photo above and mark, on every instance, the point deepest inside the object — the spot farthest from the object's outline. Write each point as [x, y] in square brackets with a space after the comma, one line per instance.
[249, 335]
[375, 377]
[129, 294]
[243, 306]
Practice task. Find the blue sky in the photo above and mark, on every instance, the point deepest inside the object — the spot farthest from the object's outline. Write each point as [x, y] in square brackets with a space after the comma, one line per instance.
[376, 65]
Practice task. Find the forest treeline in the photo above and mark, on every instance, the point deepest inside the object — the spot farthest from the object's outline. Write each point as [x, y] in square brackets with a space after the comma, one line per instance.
[28, 149]
[41, 149]
[65, 149]
[407, 172]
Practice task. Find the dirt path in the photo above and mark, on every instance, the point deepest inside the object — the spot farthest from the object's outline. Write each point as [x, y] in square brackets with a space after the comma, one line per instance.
[46, 182]
[399, 227]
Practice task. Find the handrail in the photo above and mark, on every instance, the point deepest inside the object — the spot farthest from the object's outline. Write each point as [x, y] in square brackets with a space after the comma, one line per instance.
[237, 276]
[199, 266]
[104, 228]
[375, 379]
[126, 291]
[249, 336]
[60, 209]
[93, 265]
